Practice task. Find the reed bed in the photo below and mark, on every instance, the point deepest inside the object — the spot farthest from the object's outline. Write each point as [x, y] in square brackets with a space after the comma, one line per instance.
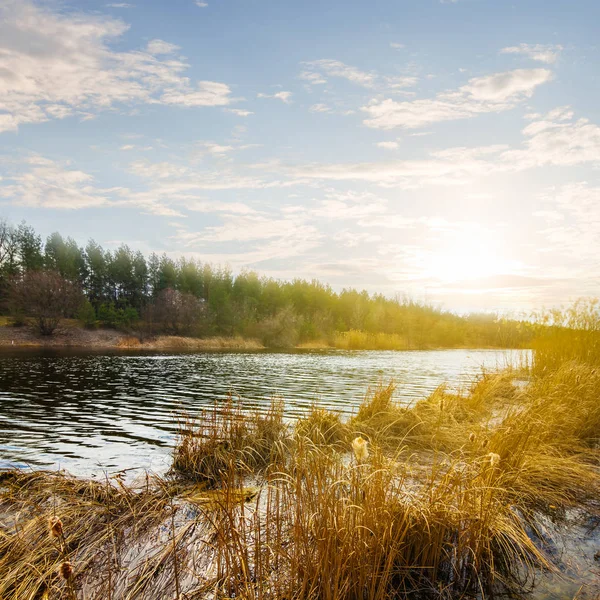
[451, 497]
[363, 340]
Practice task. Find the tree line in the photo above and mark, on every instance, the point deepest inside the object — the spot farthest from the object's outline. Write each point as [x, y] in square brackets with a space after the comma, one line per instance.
[155, 294]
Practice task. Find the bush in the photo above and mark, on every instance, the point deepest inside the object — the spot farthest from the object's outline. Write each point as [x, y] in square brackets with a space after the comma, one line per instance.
[110, 316]
[87, 315]
[280, 330]
[45, 296]
[107, 314]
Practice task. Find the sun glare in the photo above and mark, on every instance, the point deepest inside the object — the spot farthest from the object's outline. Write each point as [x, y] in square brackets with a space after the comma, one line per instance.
[468, 260]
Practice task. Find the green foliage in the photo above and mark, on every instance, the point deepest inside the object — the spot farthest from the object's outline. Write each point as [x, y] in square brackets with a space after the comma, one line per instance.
[110, 316]
[86, 314]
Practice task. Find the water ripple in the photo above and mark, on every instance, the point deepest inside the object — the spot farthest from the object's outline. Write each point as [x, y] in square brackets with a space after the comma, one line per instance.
[92, 412]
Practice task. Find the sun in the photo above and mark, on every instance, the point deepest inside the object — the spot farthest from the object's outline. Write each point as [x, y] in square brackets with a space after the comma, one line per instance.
[468, 260]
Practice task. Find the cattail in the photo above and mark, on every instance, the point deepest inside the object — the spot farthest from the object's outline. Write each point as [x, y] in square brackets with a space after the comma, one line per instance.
[361, 451]
[56, 527]
[485, 443]
[493, 458]
[66, 570]
[472, 437]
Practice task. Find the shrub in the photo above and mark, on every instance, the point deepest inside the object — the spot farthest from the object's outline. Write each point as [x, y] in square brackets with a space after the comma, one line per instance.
[279, 330]
[87, 315]
[45, 296]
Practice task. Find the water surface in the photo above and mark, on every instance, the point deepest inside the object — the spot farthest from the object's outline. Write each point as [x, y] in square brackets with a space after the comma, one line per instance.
[89, 412]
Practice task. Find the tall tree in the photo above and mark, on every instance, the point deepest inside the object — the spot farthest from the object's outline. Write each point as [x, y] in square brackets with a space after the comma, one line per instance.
[96, 285]
[30, 252]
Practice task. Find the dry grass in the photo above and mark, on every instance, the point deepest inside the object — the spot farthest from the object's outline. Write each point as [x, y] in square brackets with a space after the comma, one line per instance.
[323, 428]
[172, 342]
[362, 340]
[225, 438]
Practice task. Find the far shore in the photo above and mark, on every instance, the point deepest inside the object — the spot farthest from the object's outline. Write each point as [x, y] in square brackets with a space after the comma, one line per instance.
[72, 335]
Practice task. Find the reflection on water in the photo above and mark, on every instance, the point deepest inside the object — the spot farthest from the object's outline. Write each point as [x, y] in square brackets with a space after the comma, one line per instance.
[92, 412]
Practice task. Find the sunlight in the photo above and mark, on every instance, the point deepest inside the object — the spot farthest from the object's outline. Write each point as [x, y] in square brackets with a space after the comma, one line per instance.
[468, 260]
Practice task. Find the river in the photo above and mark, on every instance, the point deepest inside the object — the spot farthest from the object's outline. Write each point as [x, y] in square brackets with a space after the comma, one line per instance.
[90, 413]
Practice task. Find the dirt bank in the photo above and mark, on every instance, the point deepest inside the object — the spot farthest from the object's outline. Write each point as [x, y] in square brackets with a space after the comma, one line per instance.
[71, 335]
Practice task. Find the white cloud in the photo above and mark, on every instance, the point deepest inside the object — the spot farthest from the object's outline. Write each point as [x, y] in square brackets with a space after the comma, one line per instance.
[201, 4]
[400, 82]
[397, 46]
[317, 72]
[492, 93]
[218, 149]
[312, 77]
[208, 93]
[388, 145]
[320, 108]
[572, 215]
[542, 53]
[265, 237]
[557, 139]
[285, 97]
[507, 86]
[161, 47]
[454, 166]
[336, 68]
[120, 5]
[239, 112]
[57, 64]
[47, 184]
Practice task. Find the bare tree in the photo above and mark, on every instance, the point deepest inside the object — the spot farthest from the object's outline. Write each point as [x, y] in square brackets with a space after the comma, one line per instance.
[9, 245]
[174, 312]
[46, 297]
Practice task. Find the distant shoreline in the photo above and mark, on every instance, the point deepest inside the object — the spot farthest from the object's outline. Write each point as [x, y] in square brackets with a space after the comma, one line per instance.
[72, 335]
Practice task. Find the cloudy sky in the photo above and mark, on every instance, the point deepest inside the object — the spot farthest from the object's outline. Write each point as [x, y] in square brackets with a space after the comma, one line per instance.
[447, 150]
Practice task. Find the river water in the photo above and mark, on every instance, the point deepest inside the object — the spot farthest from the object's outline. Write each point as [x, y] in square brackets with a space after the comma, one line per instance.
[90, 413]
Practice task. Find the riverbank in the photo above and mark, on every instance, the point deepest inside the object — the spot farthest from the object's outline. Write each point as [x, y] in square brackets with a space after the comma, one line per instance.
[452, 497]
[71, 334]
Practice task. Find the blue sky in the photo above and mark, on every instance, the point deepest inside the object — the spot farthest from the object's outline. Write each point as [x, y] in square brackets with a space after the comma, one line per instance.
[445, 150]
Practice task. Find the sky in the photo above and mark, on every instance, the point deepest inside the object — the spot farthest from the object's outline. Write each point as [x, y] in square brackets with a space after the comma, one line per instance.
[446, 150]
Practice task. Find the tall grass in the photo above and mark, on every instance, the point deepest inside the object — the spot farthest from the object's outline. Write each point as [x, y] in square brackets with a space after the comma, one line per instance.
[363, 340]
[225, 437]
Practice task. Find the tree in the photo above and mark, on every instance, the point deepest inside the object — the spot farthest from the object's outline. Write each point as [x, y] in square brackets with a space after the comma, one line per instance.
[174, 312]
[86, 314]
[97, 270]
[65, 257]
[29, 248]
[46, 296]
[9, 248]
